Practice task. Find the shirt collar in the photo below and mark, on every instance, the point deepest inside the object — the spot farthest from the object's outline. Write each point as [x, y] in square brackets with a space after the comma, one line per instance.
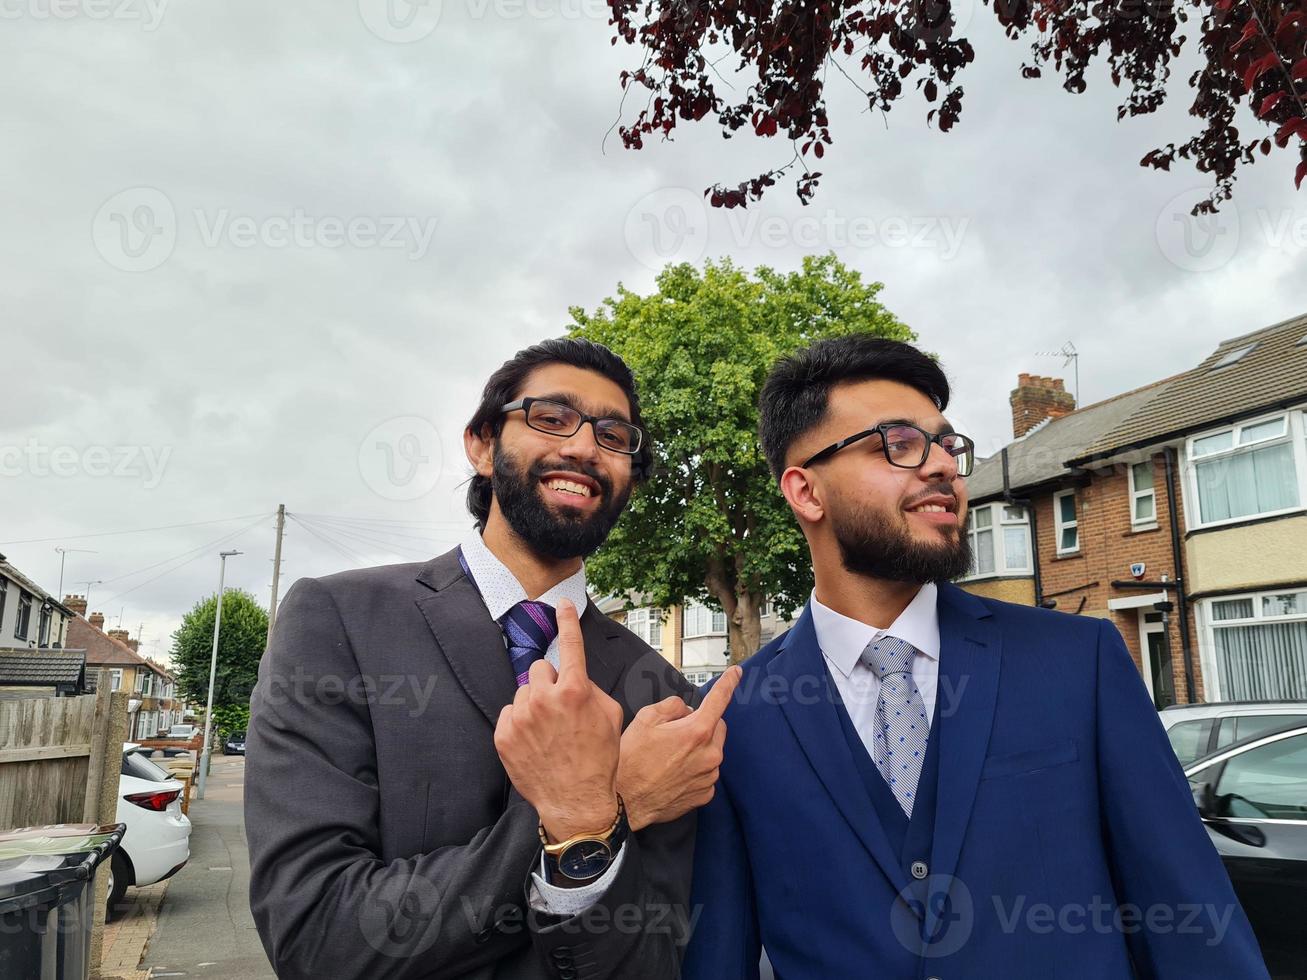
[500, 588]
[842, 639]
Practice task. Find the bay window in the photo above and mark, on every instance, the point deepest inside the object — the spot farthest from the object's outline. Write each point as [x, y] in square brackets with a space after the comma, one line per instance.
[1259, 644]
[1000, 540]
[647, 624]
[702, 621]
[1248, 470]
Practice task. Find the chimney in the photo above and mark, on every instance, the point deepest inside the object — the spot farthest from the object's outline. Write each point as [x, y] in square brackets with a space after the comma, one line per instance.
[77, 603]
[135, 645]
[1035, 399]
[97, 620]
[120, 636]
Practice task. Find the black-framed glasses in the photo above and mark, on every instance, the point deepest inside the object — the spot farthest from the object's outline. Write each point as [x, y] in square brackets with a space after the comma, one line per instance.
[908, 446]
[557, 419]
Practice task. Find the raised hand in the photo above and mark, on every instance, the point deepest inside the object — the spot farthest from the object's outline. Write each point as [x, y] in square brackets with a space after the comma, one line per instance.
[671, 755]
[559, 740]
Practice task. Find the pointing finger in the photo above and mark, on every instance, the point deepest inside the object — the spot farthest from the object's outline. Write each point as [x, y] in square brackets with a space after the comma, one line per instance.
[715, 702]
[571, 648]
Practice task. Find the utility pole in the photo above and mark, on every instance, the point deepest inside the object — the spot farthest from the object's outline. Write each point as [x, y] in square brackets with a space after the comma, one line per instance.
[276, 569]
[213, 670]
[63, 554]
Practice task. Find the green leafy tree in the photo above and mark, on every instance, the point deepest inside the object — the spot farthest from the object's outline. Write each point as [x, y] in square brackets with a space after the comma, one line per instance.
[230, 718]
[241, 640]
[710, 522]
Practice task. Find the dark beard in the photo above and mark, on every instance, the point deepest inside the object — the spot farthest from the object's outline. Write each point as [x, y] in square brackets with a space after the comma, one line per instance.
[548, 533]
[872, 544]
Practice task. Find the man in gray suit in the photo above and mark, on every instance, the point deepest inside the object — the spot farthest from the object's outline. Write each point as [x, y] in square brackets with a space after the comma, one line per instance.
[462, 768]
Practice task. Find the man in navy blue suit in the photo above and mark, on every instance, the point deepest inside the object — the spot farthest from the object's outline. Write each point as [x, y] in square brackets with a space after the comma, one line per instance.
[922, 783]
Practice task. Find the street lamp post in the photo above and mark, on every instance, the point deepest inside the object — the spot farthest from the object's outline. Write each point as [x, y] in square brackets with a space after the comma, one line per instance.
[213, 670]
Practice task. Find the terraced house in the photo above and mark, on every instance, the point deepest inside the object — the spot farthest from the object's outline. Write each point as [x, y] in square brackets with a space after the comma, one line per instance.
[1178, 511]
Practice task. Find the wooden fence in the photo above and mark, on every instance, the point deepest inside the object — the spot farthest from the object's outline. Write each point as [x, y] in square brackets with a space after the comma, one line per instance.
[60, 760]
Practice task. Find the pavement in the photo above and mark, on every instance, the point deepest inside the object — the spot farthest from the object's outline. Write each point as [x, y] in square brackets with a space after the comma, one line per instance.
[204, 927]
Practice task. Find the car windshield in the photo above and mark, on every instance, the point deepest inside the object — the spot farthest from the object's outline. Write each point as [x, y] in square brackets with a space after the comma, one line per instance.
[236, 737]
[135, 764]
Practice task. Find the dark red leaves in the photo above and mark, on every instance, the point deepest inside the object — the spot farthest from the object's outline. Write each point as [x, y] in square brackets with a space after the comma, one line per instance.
[1300, 174]
[1269, 103]
[892, 47]
[1257, 68]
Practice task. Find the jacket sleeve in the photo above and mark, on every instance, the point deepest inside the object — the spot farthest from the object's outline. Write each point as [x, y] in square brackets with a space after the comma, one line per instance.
[725, 944]
[1190, 923]
[324, 901]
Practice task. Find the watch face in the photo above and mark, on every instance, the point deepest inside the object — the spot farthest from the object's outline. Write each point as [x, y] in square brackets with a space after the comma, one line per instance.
[585, 859]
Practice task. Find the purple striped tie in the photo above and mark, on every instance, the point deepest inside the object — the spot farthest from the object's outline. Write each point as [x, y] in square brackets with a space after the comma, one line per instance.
[529, 627]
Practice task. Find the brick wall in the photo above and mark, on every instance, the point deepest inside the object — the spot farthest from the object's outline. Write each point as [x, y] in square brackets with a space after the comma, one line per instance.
[1108, 546]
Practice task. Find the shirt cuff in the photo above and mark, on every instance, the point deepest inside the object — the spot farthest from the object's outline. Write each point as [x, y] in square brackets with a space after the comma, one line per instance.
[571, 901]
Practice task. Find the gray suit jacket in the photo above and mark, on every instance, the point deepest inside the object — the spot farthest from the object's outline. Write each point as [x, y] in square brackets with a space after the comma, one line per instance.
[385, 838]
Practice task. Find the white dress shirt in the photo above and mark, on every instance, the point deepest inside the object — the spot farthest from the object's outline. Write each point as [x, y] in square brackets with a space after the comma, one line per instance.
[501, 591]
[842, 641]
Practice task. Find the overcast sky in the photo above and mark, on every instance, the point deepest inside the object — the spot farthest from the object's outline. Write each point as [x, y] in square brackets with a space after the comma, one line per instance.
[259, 253]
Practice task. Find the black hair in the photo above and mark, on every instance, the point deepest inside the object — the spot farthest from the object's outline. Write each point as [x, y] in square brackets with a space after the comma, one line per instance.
[505, 385]
[796, 393]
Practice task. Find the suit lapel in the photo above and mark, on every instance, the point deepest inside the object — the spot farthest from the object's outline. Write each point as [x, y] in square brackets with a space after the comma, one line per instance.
[969, 659]
[473, 644]
[817, 727]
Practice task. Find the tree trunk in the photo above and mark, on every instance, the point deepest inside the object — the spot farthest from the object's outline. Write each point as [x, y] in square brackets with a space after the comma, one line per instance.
[744, 627]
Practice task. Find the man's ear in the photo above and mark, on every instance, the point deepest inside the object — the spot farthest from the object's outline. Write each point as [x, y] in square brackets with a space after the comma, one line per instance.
[803, 494]
[480, 449]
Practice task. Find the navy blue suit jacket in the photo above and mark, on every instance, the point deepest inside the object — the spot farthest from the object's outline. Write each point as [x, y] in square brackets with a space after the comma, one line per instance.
[1066, 842]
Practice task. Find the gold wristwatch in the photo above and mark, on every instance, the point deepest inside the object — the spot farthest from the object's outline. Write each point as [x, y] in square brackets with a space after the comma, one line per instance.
[585, 857]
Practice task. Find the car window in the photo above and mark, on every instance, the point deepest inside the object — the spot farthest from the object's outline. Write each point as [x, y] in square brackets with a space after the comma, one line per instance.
[135, 764]
[1247, 725]
[1189, 739]
[1225, 734]
[1268, 782]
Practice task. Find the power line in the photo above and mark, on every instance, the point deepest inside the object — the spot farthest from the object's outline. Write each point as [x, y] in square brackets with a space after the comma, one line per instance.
[135, 530]
[331, 544]
[200, 552]
[378, 520]
[388, 547]
[339, 524]
[174, 557]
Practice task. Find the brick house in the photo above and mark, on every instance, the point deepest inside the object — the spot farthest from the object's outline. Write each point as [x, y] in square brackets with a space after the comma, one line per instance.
[1068, 538]
[154, 705]
[1178, 511]
[1235, 428]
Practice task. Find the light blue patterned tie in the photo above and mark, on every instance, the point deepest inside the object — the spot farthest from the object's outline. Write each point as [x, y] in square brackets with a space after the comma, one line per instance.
[902, 725]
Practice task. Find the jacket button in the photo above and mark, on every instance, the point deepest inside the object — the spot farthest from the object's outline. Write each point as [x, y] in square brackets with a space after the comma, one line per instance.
[919, 871]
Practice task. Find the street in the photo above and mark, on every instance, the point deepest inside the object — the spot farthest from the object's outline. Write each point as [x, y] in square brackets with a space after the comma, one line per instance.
[204, 926]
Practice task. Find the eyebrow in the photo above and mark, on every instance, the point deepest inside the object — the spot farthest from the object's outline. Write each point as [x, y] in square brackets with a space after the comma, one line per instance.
[571, 401]
[945, 429]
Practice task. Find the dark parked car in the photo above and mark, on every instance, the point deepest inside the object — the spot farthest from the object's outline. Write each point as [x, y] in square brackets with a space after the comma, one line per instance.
[1252, 796]
[235, 744]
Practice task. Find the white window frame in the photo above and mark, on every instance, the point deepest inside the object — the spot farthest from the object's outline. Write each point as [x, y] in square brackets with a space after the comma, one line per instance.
[694, 611]
[1210, 624]
[1295, 434]
[1059, 525]
[646, 622]
[1137, 494]
[116, 681]
[998, 522]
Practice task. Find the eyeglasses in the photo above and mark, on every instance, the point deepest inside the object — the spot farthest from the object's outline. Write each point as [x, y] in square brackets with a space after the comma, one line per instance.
[557, 419]
[908, 446]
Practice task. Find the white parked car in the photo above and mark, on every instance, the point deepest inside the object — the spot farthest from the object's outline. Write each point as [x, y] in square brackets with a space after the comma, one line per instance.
[181, 731]
[1196, 730]
[157, 843]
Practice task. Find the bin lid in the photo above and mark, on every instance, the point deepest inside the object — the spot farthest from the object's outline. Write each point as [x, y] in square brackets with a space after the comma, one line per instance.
[36, 861]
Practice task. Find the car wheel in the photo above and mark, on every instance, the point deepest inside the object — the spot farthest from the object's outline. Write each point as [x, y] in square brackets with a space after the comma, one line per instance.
[118, 878]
